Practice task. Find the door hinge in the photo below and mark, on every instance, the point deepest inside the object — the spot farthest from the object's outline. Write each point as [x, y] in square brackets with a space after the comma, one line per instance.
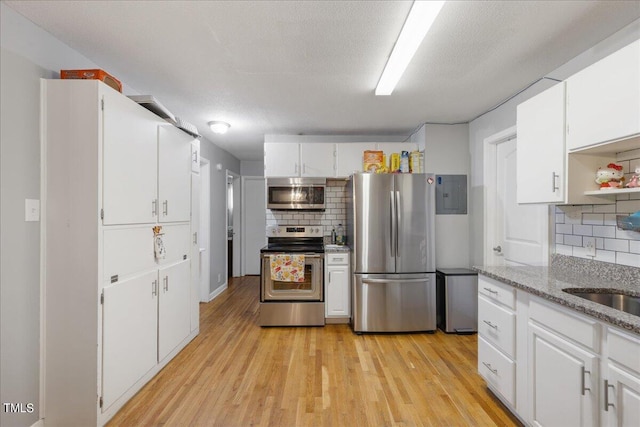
[102, 298]
[101, 213]
[101, 402]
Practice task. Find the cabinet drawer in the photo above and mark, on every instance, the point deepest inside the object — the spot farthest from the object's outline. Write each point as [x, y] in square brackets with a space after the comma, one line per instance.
[497, 370]
[497, 325]
[497, 291]
[338, 258]
[624, 348]
[572, 326]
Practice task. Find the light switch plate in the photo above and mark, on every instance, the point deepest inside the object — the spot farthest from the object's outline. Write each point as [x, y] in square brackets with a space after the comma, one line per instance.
[31, 210]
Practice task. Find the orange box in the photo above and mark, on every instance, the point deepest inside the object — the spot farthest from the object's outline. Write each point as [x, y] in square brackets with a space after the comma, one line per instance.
[372, 161]
[92, 75]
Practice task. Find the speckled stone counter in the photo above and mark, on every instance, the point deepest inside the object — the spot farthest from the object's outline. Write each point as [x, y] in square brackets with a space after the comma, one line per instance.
[569, 272]
[336, 248]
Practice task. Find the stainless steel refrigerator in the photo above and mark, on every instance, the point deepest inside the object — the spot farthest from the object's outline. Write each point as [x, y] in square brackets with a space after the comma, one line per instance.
[390, 228]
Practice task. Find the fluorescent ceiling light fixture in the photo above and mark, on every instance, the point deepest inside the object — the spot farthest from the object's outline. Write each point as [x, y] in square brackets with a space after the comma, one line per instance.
[219, 127]
[420, 19]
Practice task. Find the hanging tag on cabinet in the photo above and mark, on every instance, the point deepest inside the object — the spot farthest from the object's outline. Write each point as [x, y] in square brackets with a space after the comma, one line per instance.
[159, 250]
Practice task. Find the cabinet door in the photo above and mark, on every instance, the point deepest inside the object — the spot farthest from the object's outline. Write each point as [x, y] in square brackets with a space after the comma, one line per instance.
[563, 381]
[195, 253]
[174, 320]
[174, 174]
[349, 157]
[129, 335]
[603, 100]
[338, 291]
[130, 168]
[195, 156]
[622, 398]
[395, 147]
[177, 243]
[317, 160]
[540, 173]
[281, 159]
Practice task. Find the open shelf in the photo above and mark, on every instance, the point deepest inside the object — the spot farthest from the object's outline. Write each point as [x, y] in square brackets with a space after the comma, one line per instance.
[612, 191]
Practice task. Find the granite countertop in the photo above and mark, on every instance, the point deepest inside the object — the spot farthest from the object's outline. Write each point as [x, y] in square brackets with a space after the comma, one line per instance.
[549, 282]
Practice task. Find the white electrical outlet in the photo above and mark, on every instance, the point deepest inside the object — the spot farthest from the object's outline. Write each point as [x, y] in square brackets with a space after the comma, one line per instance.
[590, 247]
[31, 210]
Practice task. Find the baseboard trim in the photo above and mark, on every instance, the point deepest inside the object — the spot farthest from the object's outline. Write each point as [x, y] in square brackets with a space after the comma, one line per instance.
[39, 423]
[213, 295]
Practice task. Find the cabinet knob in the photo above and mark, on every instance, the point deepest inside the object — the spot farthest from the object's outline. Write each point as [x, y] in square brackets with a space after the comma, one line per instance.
[497, 249]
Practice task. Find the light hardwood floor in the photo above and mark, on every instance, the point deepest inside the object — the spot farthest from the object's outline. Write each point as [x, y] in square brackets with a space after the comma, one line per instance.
[236, 373]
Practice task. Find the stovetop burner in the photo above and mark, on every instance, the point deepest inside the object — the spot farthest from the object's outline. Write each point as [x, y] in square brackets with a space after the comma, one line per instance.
[294, 239]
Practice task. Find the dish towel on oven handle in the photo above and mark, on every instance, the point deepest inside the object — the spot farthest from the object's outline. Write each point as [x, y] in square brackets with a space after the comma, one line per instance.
[287, 268]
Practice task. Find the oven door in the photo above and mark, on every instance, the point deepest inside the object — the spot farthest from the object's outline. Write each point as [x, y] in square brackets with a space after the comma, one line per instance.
[311, 289]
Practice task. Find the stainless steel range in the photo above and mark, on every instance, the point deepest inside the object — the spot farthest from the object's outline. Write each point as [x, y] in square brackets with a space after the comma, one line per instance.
[292, 295]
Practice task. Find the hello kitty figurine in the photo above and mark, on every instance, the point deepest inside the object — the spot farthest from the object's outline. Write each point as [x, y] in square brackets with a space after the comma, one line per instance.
[610, 177]
[635, 179]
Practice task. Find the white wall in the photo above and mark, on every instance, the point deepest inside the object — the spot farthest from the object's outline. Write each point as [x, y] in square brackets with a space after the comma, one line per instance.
[27, 54]
[252, 167]
[504, 117]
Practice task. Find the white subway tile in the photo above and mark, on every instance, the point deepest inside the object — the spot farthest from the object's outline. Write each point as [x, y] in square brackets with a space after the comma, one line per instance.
[621, 197]
[573, 240]
[583, 230]
[559, 218]
[564, 228]
[628, 206]
[634, 196]
[605, 256]
[599, 243]
[628, 259]
[580, 253]
[634, 246]
[564, 250]
[593, 219]
[617, 245]
[604, 231]
[559, 239]
[627, 234]
[604, 208]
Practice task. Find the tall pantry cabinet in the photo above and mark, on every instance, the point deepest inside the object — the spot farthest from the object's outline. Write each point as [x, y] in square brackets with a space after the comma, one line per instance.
[117, 245]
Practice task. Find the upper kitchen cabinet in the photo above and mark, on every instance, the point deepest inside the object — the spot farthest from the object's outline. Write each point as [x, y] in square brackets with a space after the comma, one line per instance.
[541, 148]
[284, 159]
[603, 100]
[130, 162]
[174, 174]
[349, 157]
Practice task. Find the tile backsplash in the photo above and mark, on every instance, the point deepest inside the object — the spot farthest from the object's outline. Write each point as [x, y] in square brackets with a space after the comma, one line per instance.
[335, 210]
[578, 226]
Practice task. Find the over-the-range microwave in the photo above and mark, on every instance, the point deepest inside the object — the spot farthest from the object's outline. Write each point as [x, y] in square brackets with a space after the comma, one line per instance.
[296, 193]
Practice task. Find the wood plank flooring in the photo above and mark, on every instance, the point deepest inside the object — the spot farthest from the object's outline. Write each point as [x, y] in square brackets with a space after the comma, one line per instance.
[236, 373]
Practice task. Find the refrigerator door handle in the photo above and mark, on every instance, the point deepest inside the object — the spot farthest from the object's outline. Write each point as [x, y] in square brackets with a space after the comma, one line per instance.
[423, 280]
[398, 221]
[394, 232]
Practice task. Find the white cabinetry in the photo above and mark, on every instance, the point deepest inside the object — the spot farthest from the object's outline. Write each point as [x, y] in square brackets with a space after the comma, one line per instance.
[283, 159]
[337, 286]
[603, 100]
[114, 313]
[349, 157]
[497, 337]
[563, 367]
[621, 383]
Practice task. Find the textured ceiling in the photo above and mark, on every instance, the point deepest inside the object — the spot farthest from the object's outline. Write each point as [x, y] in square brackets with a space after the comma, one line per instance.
[311, 67]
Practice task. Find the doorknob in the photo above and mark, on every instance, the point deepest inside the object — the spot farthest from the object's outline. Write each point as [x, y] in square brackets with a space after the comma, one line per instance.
[497, 249]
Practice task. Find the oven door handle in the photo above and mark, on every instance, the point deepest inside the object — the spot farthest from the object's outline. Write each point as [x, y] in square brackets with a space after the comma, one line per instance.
[306, 255]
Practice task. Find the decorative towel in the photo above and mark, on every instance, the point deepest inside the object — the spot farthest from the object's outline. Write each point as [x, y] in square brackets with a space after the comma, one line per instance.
[287, 268]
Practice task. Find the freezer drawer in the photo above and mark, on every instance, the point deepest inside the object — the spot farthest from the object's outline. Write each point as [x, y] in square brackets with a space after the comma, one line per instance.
[394, 302]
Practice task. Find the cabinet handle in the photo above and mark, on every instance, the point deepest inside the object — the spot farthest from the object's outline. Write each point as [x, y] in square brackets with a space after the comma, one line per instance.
[165, 207]
[491, 324]
[491, 291]
[195, 238]
[553, 182]
[154, 207]
[304, 168]
[330, 277]
[606, 395]
[582, 387]
[296, 168]
[488, 365]
[154, 288]
[166, 283]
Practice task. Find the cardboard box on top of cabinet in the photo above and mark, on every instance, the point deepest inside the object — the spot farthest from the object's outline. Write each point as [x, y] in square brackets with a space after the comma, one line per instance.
[372, 161]
[95, 74]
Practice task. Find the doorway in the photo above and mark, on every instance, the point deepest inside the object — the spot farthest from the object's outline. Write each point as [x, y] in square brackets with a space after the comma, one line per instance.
[204, 230]
[234, 229]
[515, 234]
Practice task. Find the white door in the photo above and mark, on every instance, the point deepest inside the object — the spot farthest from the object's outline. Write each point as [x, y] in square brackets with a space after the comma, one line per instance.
[174, 174]
[317, 159]
[337, 288]
[130, 168]
[174, 320]
[563, 380]
[518, 234]
[254, 222]
[129, 339]
[194, 298]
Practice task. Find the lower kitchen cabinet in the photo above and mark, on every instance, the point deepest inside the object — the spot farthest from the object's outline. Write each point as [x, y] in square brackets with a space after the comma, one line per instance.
[337, 286]
[174, 318]
[563, 387]
[566, 369]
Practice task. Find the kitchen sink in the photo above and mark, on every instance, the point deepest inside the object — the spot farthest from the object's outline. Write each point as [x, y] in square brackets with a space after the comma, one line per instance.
[618, 300]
